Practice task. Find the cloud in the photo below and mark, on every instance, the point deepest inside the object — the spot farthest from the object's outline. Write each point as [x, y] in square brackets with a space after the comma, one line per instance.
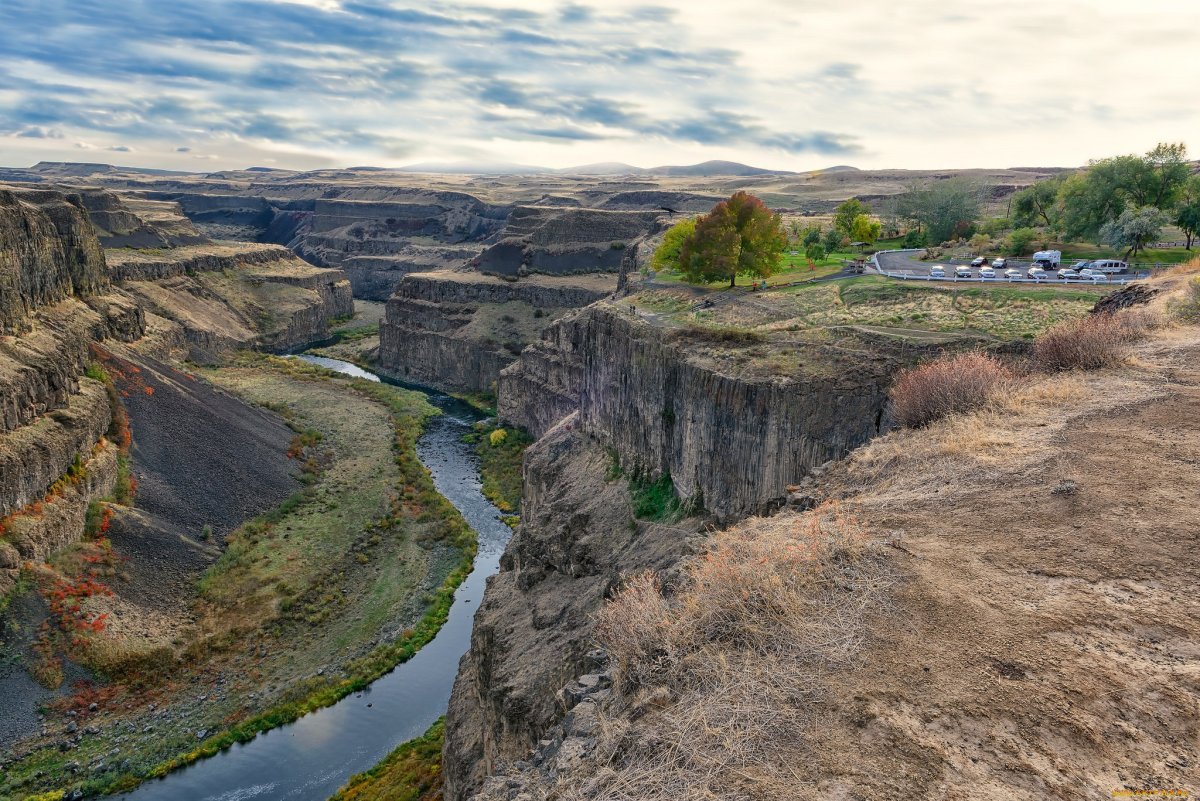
[183, 150]
[352, 81]
[120, 148]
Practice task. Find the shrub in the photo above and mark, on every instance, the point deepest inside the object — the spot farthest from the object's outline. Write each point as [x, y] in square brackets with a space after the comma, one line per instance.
[915, 239]
[1188, 309]
[498, 437]
[1088, 343]
[1020, 241]
[947, 385]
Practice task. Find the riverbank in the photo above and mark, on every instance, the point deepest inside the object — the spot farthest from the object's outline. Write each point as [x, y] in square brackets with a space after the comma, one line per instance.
[368, 542]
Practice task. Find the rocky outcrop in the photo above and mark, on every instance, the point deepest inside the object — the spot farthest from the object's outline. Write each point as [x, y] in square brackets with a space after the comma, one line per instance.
[532, 632]
[458, 330]
[153, 264]
[34, 456]
[136, 222]
[731, 442]
[48, 252]
[562, 241]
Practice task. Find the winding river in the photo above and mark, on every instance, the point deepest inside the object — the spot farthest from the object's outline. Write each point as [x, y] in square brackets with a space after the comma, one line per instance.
[310, 759]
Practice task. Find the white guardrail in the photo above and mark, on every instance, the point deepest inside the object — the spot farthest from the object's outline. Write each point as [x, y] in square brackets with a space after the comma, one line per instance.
[1050, 279]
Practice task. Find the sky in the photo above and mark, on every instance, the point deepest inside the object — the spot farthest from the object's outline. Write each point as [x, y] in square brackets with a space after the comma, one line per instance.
[205, 85]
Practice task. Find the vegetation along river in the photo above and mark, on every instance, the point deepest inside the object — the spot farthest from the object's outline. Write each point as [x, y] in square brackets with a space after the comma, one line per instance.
[310, 759]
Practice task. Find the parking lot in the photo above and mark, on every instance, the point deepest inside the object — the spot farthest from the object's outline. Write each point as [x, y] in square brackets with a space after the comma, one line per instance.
[904, 264]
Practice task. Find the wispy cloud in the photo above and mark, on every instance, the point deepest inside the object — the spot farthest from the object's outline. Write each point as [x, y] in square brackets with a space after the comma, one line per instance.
[355, 81]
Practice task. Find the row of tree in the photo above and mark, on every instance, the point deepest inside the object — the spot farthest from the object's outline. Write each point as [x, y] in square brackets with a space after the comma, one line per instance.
[1123, 202]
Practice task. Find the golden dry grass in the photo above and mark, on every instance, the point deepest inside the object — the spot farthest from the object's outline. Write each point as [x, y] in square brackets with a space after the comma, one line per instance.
[735, 656]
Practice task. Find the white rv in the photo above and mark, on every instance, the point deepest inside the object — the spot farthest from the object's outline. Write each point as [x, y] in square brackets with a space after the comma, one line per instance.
[1047, 259]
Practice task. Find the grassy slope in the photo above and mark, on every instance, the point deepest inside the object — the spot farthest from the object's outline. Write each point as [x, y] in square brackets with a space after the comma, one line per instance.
[500, 466]
[372, 525]
[413, 772]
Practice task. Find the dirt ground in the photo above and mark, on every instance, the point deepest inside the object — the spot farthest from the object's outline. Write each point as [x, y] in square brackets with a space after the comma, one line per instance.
[1043, 641]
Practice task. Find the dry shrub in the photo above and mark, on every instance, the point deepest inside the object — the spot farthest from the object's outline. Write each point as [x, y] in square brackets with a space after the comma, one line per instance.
[1089, 343]
[734, 659]
[1187, 307]
[948, 385]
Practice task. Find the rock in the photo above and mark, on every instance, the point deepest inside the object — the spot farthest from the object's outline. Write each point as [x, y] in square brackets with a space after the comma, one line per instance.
[201, 734]
[72, 727]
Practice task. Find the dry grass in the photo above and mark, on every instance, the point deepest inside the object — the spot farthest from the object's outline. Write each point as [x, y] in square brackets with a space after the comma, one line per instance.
[948, 385]
[1090, 343]
[735, 658]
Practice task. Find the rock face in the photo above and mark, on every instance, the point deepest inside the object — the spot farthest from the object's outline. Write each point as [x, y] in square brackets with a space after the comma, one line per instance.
[458, 330]
[561, 241]
[732, 443]
[48, 252]
[123, 222]
[532, 631]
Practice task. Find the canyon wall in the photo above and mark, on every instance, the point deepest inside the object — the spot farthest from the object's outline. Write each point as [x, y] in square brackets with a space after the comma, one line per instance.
[732, 442]
[458, 330]
[613, 395]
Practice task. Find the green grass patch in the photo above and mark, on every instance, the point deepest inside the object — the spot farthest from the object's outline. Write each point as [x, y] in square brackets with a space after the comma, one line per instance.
[655, 500]
[413, 772]
[500, 463]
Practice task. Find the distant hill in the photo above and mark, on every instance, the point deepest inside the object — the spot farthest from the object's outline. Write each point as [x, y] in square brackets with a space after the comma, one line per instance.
[80, 170]
[476, 168]
[706, 169]
[713, 168]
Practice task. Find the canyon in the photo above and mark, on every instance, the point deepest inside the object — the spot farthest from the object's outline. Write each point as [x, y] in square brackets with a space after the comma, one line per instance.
[657, 424]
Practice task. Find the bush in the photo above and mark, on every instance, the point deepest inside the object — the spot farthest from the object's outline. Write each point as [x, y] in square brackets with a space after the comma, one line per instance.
[498, 437]
[1188, 309]
[1020, 241]
[915, 239]
[947, 385]
[1089, 343]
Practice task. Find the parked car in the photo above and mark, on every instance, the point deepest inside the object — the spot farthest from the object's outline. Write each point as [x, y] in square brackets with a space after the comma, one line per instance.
[1067, 272]
[937, 271]
[1079, 265]
[962, 272]
[1088, 274]
[1036, 272]
[979, 261]
[1012, 274]
[1110, 266]
[1000, 263]
[987, 272]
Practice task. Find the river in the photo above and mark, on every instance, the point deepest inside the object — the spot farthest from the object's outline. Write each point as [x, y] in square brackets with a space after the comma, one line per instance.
[310, 759]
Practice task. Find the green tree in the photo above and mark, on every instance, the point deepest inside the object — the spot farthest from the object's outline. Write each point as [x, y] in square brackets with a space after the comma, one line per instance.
[845, 215]
[815, 252]
[740, 236]
[915, 239]
[812, 235]
[1038, 205]
[1134, 229]
[1187, 215]
[865, 229]
[1109, 187]
[1020, 241]
[832, 240]
[943, 209]
[666, 257]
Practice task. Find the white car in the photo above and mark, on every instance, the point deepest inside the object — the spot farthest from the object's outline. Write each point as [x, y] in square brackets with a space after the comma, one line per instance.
[1067, 272]
[1037, 273]
[1092, 275]
[987, 272]
[937, 271]
[962, 272]
[1013, 274]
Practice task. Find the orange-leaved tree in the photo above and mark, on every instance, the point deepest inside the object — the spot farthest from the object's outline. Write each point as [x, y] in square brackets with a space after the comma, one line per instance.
[740, 236]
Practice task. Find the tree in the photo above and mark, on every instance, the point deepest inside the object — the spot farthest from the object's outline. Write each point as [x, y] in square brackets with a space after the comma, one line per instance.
[812, 235]
[915, 239]
[1038, 205]
[864, 229]
[1109, 187]
[815, 252]
[667, 255]
[845, 215]
[1134, 229]
[1020, 241]
[943, 209]
[740, 236]
[1187, 216]
[832, 240]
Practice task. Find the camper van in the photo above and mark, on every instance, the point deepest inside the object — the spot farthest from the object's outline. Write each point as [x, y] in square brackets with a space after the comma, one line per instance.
[1047, 259]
